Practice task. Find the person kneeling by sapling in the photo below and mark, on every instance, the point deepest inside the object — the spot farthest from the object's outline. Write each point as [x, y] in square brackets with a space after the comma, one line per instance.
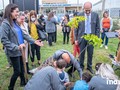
[83, 84]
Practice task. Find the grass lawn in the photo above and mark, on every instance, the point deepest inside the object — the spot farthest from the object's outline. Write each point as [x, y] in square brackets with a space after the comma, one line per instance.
[100, 55]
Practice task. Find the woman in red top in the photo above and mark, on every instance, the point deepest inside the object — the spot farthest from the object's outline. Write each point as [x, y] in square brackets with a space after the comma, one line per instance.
[106, 26]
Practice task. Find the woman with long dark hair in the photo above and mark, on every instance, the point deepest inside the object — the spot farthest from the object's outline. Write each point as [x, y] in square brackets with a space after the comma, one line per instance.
[66, 28]
[13, 41]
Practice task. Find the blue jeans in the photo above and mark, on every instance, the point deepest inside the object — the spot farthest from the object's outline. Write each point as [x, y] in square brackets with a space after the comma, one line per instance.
[103, 36]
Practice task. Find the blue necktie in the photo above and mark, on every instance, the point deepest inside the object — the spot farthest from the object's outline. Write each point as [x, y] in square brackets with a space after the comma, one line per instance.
[88, 25]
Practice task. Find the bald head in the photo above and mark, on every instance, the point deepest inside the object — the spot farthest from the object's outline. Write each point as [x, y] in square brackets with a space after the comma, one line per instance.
[66, 57]
[87, 7]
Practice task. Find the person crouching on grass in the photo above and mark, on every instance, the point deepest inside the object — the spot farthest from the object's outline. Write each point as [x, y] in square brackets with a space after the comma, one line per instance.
[102, 80]
[13, 40]
[47, 78]
[83, 84]
[64, 78]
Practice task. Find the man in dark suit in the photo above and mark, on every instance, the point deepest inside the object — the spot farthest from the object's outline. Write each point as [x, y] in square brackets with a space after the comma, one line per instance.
[90, 26]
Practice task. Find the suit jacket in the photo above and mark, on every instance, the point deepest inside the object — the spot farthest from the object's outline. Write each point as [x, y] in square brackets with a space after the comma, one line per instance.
[95, 26]
[9, 39]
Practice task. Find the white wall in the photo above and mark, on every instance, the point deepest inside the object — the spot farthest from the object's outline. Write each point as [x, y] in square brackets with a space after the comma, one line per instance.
[108, 4]
[6, 2]
[115, 3]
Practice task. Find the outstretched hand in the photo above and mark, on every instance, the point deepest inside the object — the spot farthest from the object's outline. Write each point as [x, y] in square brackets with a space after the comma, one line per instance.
[39, 43]
[76, 42]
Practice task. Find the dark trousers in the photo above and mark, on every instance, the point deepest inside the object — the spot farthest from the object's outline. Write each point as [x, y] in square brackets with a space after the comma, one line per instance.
[55, 33]
[35, 49]
[51, 38]
[90, 48]
[18, 71]
[66, 34]
[71, 70]
[103, 36]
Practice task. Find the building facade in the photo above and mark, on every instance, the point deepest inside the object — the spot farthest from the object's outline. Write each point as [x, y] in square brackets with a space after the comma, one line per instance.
[27, 5]
[59, 6]
[113, 6]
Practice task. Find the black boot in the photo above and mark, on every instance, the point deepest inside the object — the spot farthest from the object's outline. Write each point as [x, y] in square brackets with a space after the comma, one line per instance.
[22, 83]
[10, 88]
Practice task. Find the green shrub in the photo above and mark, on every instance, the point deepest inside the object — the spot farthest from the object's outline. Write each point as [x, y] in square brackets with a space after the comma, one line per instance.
[116, 24]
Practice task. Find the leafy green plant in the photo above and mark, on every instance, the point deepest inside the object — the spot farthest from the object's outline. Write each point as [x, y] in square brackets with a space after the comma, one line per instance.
[116, 25]
[75, 21]
[93, 39]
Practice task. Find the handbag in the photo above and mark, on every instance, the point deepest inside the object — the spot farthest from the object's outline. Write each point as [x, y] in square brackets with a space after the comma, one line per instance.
[42, 35]
[105, 29]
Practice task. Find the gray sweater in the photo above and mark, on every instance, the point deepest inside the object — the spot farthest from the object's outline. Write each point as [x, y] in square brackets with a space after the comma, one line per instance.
[57, 55]
[99, 83]
[50, 25]
[9, 39]
[45, 79]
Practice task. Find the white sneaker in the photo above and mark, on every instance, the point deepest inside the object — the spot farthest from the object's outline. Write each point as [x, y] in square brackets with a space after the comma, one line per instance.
[102, 45]
[106, 47]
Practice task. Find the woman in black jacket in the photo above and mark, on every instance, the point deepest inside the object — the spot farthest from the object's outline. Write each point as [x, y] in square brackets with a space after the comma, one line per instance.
[65, 28]
[41, 21]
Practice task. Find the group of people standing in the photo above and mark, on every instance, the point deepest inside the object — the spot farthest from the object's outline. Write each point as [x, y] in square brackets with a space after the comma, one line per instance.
[14, 31]
[20, 32]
